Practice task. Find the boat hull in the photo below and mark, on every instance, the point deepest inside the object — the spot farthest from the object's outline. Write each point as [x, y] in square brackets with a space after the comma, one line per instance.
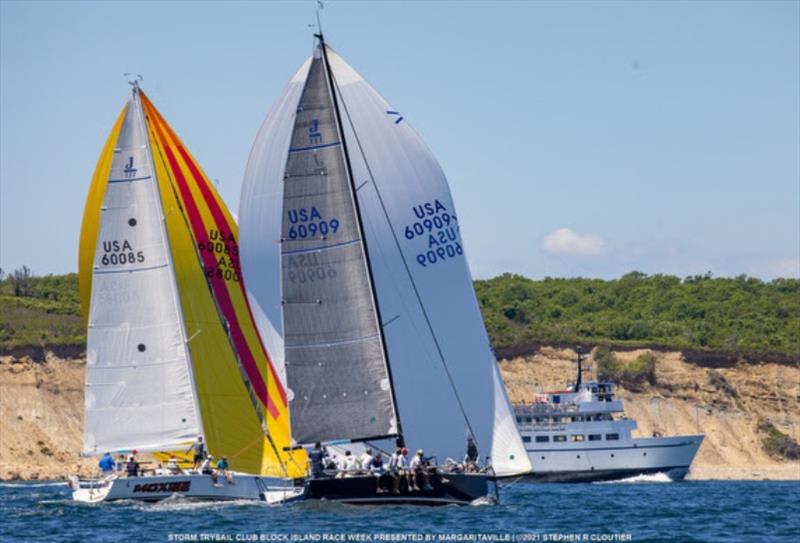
[447, 489]
[670, 455]
[192, 486]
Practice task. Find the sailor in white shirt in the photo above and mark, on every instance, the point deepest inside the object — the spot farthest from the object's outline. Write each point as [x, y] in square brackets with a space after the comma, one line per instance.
[366, 460]
[418, 466]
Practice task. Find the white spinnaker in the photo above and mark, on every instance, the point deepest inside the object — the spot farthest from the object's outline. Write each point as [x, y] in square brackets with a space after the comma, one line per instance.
[260, 216]
[391, 161]
[139, 390]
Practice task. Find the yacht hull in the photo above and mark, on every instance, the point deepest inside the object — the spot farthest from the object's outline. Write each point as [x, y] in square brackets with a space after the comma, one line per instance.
[447, 489]
[578, 464]
[191, 486]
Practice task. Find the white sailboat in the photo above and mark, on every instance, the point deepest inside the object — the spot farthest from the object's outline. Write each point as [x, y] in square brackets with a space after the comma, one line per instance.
[356, 272]
[172, 353]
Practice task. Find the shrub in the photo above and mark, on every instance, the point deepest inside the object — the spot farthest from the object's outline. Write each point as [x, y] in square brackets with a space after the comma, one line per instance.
[777, 444]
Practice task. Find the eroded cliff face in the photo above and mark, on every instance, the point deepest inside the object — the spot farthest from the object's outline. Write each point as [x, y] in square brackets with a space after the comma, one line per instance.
[41, 418]
[41, 410]
[725, 404]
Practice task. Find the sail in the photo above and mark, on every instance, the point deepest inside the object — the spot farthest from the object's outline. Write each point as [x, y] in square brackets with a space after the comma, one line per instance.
[425, 286]
[243, 403]
[139, 391]
[335, 363]
[236, 394]
[443, 369]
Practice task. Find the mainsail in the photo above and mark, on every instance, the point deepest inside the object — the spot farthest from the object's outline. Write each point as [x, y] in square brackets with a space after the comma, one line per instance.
[444, 374]
[150, 198]
[336, 365]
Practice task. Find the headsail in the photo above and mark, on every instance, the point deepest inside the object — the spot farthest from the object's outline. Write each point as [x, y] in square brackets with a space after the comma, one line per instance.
[241, 401]
[139, 391]
[444, 372]
[424, 282]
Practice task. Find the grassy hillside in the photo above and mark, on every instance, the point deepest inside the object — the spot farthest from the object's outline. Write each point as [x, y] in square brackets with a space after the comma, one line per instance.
[737, 315]
[732, 315]
[40, 311]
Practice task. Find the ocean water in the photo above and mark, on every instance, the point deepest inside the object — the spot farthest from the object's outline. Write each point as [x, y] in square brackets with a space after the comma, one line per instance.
[640, 509]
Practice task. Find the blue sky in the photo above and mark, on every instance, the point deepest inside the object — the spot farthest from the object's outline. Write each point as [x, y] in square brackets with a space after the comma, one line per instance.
[580, 139]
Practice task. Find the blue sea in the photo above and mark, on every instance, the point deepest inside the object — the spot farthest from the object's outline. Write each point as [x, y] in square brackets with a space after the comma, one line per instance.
[643, 509]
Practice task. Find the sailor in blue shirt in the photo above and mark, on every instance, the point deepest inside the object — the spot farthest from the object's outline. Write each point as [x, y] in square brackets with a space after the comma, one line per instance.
[106, 464]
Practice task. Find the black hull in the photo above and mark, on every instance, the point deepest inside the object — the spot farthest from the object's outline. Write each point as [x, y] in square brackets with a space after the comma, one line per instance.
[447, 489]
[676, 473]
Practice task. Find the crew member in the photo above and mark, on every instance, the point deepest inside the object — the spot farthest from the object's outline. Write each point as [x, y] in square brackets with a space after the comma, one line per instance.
[366, 460]
[224, 469]
[315, 459]
[106, 464]
[132, 467]
[419, 466]
[172, 466]
[199, 448]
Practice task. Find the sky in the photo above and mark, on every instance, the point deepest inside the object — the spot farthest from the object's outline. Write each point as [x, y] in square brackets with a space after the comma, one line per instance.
[579, 138]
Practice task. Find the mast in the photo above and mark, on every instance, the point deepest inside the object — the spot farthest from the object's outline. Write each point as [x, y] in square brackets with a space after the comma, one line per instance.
[579, 381]
[359, 222]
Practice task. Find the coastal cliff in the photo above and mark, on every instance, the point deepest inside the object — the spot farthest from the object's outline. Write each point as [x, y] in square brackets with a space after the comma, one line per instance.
[739, 409]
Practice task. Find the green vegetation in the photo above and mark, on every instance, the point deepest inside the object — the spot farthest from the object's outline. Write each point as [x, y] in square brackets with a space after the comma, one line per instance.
[40, 310]
[738, 315]
[777, 444]
[631, 374]
[731, 315]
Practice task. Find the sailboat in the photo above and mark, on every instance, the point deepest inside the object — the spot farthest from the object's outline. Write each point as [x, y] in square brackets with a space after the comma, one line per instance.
[359, 285]
[172, 352]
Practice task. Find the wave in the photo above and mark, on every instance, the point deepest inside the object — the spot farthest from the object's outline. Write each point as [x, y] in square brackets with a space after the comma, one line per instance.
[649, 478]
[26, 484]
[179, 504]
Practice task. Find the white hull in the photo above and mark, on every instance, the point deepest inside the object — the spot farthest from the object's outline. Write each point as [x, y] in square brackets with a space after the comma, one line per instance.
[190, 486]
[587, 461]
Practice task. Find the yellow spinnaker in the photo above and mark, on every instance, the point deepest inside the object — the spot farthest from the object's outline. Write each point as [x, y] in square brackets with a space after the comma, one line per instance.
[91, 215]
[236, 384]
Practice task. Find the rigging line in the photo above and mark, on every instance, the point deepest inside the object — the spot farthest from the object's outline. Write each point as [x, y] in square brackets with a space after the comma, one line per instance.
[408, 270]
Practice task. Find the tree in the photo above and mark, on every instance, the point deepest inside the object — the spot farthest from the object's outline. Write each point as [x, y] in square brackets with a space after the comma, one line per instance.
[21, 281]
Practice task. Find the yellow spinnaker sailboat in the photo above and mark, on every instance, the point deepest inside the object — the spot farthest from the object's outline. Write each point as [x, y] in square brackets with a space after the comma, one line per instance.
[172, 351]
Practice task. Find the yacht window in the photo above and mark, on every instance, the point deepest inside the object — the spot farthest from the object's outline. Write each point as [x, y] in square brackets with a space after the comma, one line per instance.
[542, 439]
[577, 437]
[527, 419]
[556, 399]
[526, 439]
[538, 419]
[595, 437]
[559, 438]
[612, 437]
[519, 419]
